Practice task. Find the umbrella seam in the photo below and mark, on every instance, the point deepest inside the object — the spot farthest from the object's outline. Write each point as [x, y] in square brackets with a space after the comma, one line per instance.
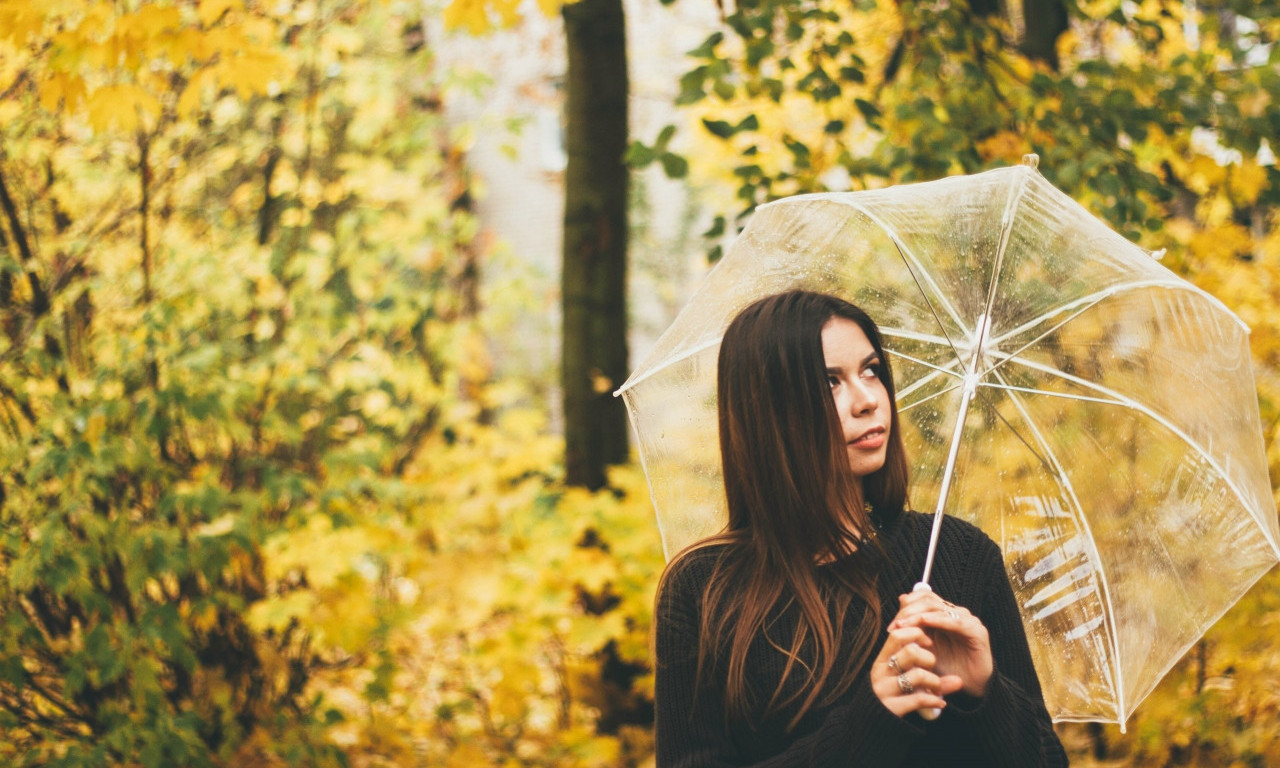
[629, 384]
[1152, 414]
[1086, 302]
[904, 408]
[1112, 633]
[1016, 192]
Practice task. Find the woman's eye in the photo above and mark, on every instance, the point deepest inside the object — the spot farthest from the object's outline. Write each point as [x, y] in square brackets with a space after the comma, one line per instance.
[833, 381]
[872, 371]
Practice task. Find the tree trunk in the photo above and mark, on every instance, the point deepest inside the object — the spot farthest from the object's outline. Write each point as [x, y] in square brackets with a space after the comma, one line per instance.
[1045, 21]
[593, 285]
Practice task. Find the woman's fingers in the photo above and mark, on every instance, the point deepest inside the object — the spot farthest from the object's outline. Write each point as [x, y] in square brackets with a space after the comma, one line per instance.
[902, 676]
[915, 604]
[950, 684]
[960, 642]
[916, 688]
[911, 655]
[904, 648]
[957, 621]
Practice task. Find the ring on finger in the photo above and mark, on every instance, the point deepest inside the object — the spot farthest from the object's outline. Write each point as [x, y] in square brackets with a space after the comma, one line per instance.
[904, 684]
[952, 614]
[894, 666]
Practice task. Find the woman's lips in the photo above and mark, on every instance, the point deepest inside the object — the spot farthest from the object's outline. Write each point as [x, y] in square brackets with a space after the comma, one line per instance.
[871, 439]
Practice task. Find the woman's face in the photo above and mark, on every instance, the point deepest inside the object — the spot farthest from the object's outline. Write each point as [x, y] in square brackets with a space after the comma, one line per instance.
[862, 402]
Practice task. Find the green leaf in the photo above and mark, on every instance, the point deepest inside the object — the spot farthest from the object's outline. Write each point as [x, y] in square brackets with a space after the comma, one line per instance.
[692, 86]
[799, 152]
[870, 111]
[638, 155]
[675, 166]
[664, 136]
[852, 74]
[719, 128]
[707, 50]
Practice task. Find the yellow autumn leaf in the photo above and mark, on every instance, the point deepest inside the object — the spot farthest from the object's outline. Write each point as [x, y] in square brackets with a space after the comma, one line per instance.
[1246, 181]
[210, 11]
[206, 618]
[597, 752]
[518, 684]
[124, 106]
[1004, 145]
[193, 94]
[508, 11]
[62, 89]
[1221, 243]
[588, 634]
[467, 755]
[20, 21]
[591, 568]
[550, 7]
[470, 14]
[1203, 174]
[346, 618]
[184, 45]
[148, 22]
[275, 613]
[10, 111]
[249, 73]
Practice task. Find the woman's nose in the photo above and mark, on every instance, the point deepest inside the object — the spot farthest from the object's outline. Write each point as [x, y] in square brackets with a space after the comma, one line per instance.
[861, 398]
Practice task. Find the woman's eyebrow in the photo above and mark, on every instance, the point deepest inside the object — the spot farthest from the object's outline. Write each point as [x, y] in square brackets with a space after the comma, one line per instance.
[874, 357]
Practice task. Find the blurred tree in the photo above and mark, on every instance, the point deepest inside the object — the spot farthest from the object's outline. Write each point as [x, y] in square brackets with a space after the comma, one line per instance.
[594, 268]
[235, 289]
[594, 256]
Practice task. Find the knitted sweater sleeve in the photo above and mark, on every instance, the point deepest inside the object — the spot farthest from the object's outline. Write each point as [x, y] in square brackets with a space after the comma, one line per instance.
[1010, 721]
[690, 728]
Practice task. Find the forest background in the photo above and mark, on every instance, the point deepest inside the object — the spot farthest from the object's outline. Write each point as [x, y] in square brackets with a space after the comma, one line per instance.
[266, 500]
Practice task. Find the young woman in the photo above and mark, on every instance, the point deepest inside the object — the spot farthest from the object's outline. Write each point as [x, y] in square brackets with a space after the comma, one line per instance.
[793, 638]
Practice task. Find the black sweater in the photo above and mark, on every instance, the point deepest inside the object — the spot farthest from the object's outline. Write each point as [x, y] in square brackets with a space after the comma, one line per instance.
[1008, 727]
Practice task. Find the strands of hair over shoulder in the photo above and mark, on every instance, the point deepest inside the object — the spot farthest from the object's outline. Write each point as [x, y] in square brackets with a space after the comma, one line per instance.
[793, 501]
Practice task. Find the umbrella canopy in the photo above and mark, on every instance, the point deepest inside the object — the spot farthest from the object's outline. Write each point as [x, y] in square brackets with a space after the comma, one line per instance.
[1091, 411]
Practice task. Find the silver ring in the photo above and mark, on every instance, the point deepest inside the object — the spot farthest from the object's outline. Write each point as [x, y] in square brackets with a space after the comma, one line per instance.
[893, 665]
[904, 684]
[952, 614]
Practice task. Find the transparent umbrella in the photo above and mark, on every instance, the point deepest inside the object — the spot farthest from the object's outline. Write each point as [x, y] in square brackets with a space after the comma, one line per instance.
[1091, 411]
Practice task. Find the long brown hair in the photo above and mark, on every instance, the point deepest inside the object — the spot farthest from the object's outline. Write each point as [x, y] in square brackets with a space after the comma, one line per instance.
[792, 499]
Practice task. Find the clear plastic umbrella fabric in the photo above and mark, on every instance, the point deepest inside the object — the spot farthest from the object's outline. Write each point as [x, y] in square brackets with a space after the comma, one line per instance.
[1091, 411]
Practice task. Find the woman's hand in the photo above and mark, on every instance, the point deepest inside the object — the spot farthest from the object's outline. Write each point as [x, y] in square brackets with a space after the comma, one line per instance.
[961, 646]
[902, 675]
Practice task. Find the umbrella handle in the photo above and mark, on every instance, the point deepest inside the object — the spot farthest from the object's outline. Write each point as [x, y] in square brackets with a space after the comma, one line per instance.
[928, 713]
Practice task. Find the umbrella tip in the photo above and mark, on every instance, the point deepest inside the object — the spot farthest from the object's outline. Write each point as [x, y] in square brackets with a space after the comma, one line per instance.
[1158, 255]
[1031, 160]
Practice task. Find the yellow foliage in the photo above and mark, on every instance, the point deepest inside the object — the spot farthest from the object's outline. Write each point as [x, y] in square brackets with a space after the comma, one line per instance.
[210, 11]
[125, 107]
[1224, 242]
[1246, 181]
[250, 73]
[471, 15]
[62, 89]
[277, 613]
[1004, 145]
[467, 755]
